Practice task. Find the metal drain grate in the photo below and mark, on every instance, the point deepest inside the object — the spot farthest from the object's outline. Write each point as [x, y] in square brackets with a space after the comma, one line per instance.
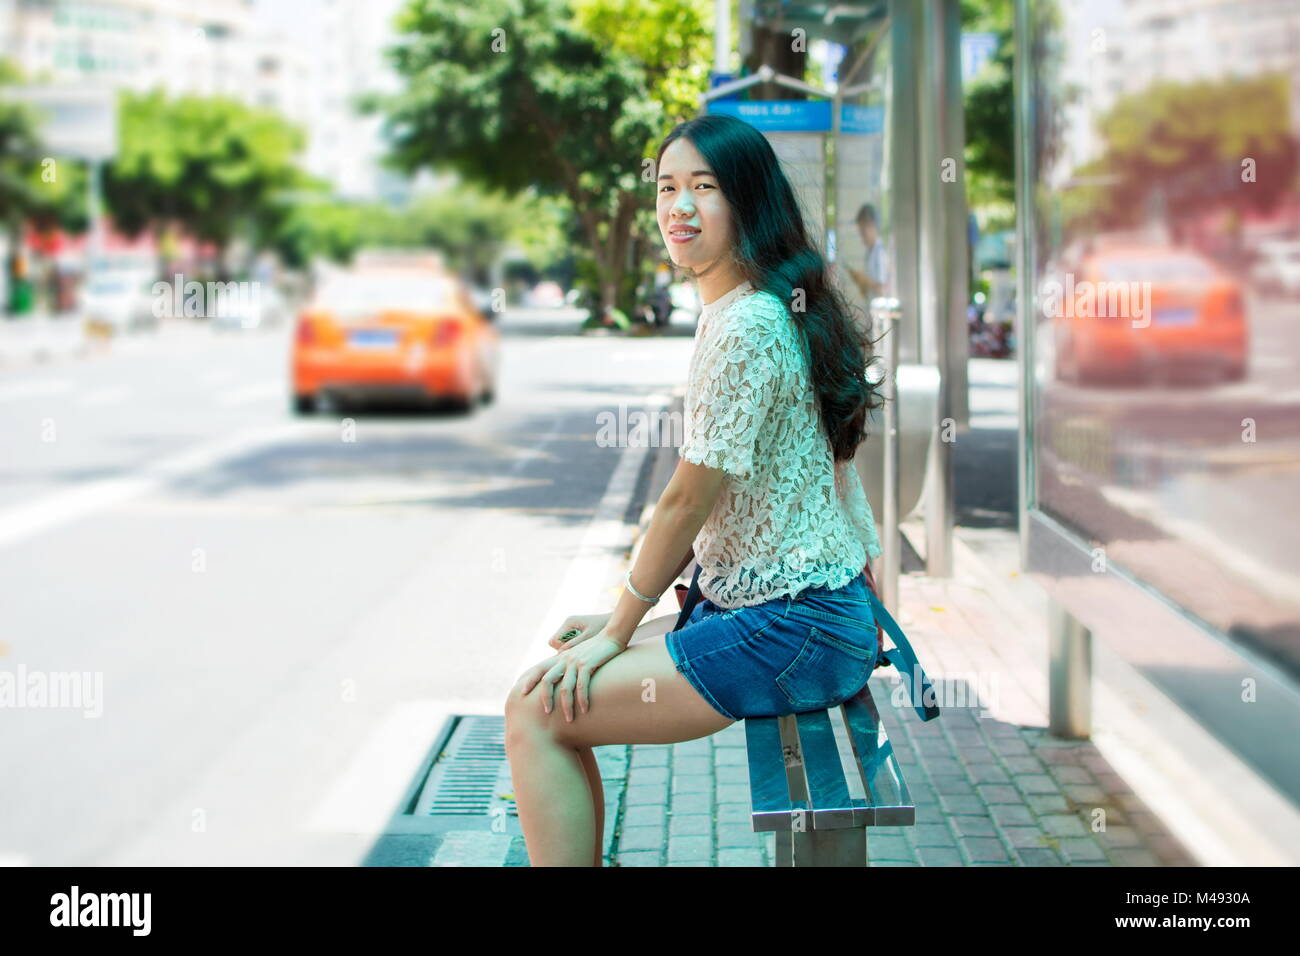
[470, 776]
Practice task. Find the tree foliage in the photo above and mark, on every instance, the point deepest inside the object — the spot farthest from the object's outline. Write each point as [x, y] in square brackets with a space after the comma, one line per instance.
[990, 119]
[212, 166]
[540, 94]
[35, 187]
[671, 41]
[1177, 149]
[468, 225]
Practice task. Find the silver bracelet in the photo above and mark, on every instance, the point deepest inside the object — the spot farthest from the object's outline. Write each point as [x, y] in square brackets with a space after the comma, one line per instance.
[628, 581]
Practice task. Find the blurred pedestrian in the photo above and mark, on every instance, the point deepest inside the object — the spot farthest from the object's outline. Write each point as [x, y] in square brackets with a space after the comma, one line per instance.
[873, 278]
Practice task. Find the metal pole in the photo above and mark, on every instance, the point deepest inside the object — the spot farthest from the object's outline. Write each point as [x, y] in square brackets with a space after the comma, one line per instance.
[901, 317]
[1069, 695]
[1025, 272]
[956, 218]
[888, 314]
[934, 287]
[722, 35]
[905, 170]
[831, 172]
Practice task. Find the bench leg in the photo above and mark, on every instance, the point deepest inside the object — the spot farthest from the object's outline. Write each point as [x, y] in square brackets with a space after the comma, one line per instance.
[846, 847]
[784, 853]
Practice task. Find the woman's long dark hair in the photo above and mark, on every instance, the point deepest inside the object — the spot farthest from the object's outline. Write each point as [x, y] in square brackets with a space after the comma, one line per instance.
[775, 254]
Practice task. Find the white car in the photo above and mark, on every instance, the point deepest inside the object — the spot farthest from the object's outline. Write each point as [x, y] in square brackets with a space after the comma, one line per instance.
[263, 307]
[546, 295]
[122, 300]
[1278, 268]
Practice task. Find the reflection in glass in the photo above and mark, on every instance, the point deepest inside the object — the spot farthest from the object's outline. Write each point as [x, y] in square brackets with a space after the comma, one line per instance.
[1166, 419]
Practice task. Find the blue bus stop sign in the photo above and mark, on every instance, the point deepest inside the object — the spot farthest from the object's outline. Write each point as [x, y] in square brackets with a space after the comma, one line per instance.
[717, 79]
[800, 116]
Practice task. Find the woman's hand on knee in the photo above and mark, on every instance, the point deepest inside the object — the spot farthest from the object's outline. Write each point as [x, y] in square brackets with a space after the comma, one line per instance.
[569, 673]
[578, 628]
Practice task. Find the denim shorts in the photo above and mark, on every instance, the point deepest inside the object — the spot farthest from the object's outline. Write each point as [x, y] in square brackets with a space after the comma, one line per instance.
[783, 656]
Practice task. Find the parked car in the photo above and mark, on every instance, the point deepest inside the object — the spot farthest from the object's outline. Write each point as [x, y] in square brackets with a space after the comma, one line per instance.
[546, 295]
[263, 308]
[481, 297]
[394, 332]
[119, 300]
[1277, 270]
[1154, 308]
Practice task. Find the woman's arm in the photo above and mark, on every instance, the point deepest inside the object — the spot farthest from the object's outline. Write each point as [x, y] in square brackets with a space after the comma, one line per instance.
[678, 516]
[690, 556]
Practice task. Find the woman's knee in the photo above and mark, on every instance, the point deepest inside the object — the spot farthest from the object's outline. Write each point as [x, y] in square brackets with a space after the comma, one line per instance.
[525, 718]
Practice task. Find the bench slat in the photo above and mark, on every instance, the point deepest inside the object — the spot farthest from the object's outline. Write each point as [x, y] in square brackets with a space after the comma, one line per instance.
[769, 788]
[795, 764]
[887, 794]
[833, 807]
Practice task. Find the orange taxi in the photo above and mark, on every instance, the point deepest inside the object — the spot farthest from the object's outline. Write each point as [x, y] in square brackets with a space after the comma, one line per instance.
[1135, 310]
[393, 333]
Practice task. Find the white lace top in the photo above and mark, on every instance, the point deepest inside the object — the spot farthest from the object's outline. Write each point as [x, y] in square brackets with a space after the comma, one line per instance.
[788, 517]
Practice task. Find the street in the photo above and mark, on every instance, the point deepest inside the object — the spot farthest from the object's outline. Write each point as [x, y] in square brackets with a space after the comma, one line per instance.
[283, 610]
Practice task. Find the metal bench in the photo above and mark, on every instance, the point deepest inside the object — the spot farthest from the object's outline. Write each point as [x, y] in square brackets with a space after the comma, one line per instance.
[820, 792]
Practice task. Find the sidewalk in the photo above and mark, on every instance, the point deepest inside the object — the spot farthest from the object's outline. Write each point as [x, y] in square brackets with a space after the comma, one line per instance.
[992, 787]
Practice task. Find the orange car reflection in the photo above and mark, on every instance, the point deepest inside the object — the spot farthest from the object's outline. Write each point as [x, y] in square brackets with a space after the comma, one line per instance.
[1135, 310]
[397, 334]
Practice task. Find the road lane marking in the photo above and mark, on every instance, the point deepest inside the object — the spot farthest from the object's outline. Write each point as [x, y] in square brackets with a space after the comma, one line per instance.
[32, 517]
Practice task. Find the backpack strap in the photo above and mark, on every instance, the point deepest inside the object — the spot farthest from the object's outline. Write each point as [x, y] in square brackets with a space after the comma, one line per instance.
[692, 598]
[904, 660]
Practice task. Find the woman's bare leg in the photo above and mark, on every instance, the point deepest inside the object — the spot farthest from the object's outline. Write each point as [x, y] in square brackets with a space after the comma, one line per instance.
[597, 788]
[637, 697]
[552, 795]
[658, 625]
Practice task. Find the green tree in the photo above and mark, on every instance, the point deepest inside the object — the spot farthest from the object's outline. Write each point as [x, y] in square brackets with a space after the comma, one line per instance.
[20, 152]
[467, 225]
[35, 187]
[325, 228]
[514, 95]
[990, 123]
[212, 166]
[671, 40]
